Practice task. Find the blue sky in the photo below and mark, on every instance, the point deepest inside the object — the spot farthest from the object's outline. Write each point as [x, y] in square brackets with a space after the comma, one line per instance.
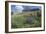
[23, 7]
[13, 8]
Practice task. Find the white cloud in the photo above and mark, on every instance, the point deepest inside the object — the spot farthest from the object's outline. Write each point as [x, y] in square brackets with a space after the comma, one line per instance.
[19, 7]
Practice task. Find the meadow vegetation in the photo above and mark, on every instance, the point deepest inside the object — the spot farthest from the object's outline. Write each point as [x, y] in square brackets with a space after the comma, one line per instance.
[23, 20]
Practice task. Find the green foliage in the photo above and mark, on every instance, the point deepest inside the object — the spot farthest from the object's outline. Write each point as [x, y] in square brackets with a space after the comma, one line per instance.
[19, 21]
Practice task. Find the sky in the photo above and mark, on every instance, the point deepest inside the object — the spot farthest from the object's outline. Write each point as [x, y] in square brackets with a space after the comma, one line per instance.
[23, 7]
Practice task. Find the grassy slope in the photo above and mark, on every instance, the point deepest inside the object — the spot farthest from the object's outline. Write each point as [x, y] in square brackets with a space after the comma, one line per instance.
[20, 21]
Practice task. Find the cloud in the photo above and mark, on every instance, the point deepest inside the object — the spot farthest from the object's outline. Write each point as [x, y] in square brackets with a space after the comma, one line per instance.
[23, 7]
[18, 7]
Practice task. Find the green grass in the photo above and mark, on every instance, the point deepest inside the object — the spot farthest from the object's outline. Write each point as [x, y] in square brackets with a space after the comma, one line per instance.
[20, 21]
